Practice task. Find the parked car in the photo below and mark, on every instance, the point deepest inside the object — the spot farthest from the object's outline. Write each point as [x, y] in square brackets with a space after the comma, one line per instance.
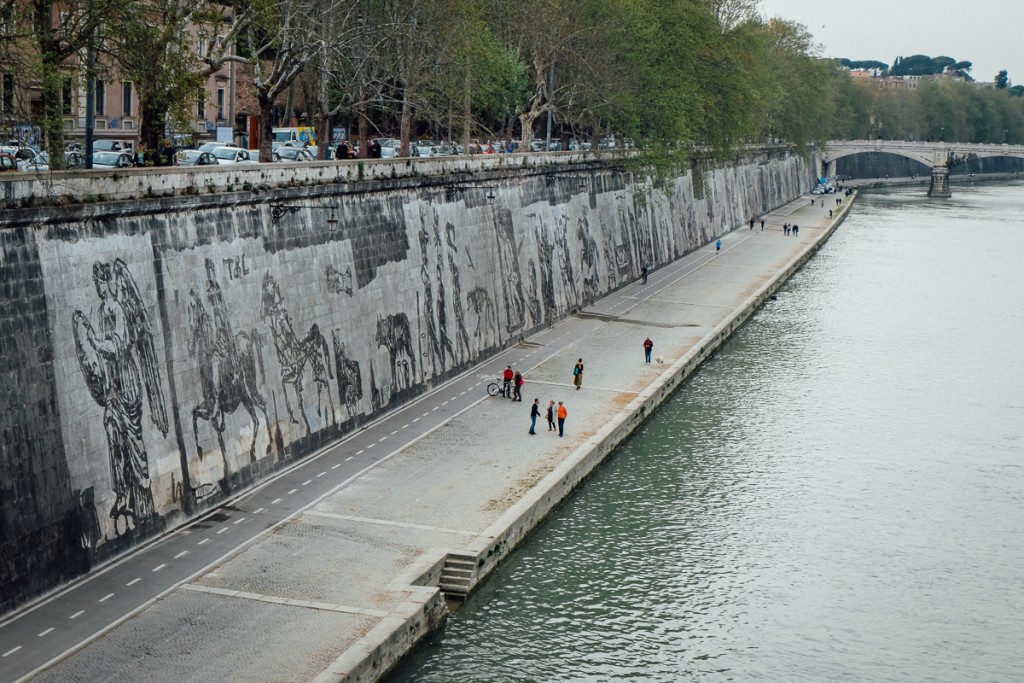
[232, 155]
[289, 153]
[210, 146]
[37, 162]
[110, 146]
[7, 163]
[194, 157]
[389, 148]
[121, 159]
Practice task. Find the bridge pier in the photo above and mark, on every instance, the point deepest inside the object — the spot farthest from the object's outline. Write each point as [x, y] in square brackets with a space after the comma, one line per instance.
[940, 183]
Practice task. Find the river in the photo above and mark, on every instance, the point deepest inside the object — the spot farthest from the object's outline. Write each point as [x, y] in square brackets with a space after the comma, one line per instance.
[837, 495]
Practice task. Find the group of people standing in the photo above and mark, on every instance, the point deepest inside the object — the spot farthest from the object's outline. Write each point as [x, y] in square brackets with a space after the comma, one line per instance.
[788, 229]
[513, 382]
[347, 150]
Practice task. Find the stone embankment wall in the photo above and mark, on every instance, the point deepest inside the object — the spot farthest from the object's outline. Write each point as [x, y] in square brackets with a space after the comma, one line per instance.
[162, 354]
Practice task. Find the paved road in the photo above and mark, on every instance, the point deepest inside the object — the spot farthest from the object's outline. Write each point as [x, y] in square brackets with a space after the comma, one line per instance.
[53, 629]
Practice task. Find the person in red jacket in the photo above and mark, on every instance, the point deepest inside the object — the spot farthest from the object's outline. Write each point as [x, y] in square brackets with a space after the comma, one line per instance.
[506, 389]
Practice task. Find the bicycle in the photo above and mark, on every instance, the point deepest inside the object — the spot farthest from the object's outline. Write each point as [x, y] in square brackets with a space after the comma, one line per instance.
[497, 388]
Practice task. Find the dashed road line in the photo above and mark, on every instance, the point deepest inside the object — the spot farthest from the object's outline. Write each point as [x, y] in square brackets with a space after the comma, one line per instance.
[133, 582]
[360, 452]
[321, 474]
[203, 542]
[350, 457]
[336, 466]
[405, 425]
[416, 419]
[275, 501]
[383, 438]
[77, 614]
[292, 491]
[370, 446]
[47, 631]
[180, 555]
[444, 404]
[11, 651]
[222, 530]
[159, 567]
[425, 414]
[258, 511]
[393, 433]
[110, 595]
[307, 482]
[239, 520]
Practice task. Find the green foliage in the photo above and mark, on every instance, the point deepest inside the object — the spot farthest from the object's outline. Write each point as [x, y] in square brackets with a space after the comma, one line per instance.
[1002, 80]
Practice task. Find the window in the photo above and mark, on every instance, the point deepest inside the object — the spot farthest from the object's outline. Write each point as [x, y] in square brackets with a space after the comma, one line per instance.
[220, 104]
[7, 99]
[201, 106]
[100, 96]
[65, 97]
[126, 102]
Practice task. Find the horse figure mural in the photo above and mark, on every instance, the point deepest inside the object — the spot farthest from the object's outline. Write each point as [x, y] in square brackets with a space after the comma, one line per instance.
[350, 379]
[228, 374]
[295, 354]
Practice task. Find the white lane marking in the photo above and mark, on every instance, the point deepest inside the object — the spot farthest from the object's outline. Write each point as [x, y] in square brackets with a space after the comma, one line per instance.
[360, 452]
[370, 446]
[258, 511]
[383, 438]
[307, 482]
[292, 491]
[106, 597]
[239, 520]
[11, 651]
[463, 393]
[425, 414]
[159, 567]
[334, 467]
[453, 398]
[405, 425]
[350, 457]
[203, 542]
[180, 555]
[393, 433]
[133, 582]
[222, 530]
[275, 501]
[444, 404]
[434, 408]
[77, 614]
[45, 632]
[416, 419]
[321, 474]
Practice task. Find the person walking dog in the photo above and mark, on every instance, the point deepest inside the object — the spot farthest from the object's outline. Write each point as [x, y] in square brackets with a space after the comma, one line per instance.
[578, 374]
[648, 346]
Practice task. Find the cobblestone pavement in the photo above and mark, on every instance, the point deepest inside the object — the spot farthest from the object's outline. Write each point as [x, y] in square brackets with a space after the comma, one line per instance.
[285, 601]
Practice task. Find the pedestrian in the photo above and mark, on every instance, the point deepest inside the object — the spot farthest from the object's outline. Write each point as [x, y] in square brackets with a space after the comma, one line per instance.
[718, 247]
[562, 414]
[751, 223]
[785, 229]
[519, 382]
[762, 225]
[648, 346]
[534, 414]
[643, 273]
[506, 387]
[341, 153]
[578, 374]
[795, 229]
[838, 201]
[551, 416]
[375, 149]
[830, 213]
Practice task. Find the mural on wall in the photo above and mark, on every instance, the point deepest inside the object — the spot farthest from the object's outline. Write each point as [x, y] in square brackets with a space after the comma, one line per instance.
[118, 361]
[230, 368]
[433, 340]
[565, 259]
[545, 254]
[442, 308]
[533, 307]
[508, 272]
[590, 257]
[465, 349]
[393, 333]
[350, 378]
[294, 355]
[338, 281]
[485, 332]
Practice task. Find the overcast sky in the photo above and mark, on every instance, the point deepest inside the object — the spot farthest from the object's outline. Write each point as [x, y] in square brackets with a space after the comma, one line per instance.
[985, 32]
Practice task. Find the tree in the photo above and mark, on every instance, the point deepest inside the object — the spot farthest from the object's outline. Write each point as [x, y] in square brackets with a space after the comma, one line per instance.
[1002, 80]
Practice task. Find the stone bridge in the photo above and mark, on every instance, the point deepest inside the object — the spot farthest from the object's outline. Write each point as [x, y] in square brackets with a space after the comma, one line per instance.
[940, 156]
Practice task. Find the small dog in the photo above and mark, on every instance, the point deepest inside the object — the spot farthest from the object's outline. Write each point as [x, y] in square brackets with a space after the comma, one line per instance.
[659, 360]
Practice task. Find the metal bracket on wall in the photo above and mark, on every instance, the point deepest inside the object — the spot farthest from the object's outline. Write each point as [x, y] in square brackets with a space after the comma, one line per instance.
[549, 179]
[277, 210]
[453, 191]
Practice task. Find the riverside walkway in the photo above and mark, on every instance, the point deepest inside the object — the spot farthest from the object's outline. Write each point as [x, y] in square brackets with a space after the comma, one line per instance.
[328, 571]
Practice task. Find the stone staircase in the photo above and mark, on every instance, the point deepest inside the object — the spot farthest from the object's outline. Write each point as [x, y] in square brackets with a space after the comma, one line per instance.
[457, 576]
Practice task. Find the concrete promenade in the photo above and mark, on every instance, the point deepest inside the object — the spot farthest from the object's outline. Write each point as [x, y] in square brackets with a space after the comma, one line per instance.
[330, 571]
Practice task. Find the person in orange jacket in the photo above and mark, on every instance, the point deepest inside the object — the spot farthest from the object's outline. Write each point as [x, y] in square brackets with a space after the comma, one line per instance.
[562, 414]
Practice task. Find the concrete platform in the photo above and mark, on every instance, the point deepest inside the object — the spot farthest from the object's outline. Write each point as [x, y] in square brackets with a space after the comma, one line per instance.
[348, 582]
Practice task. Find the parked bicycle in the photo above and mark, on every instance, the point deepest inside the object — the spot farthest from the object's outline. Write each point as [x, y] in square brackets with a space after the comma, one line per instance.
[498, 388]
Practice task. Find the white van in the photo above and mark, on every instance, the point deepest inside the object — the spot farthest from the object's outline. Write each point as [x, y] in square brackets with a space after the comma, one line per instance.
[296, 136]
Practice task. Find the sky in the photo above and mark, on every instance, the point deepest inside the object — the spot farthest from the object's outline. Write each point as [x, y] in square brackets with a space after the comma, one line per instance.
[978, 31]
